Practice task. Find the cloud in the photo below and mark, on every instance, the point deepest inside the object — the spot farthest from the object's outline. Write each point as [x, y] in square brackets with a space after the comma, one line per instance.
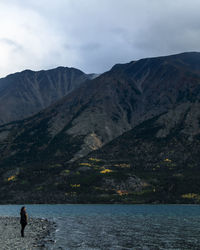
[93, 35]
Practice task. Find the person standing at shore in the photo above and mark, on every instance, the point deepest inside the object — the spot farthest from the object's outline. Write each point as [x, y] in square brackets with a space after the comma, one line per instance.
[23, 220]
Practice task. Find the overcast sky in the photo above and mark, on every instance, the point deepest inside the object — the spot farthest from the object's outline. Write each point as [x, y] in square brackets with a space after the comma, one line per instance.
[93, 35]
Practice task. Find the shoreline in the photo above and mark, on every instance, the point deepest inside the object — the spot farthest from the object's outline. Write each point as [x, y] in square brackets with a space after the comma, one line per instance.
[37, 233]
[117, 203]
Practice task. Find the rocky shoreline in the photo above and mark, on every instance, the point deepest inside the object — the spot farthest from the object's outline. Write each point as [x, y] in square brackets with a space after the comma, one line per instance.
[37, 234]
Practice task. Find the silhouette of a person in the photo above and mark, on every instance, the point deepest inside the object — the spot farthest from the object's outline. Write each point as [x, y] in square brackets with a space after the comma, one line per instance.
[23, 220]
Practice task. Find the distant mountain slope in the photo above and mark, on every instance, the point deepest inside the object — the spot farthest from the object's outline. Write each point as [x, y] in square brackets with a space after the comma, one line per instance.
[26, 93]
[154, 99]
[163, 152]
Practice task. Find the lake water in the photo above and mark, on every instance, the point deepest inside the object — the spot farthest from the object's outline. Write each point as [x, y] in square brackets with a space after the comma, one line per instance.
[119, 226]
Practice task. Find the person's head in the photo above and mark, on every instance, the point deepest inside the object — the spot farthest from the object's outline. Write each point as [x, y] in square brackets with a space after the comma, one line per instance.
[23, 209]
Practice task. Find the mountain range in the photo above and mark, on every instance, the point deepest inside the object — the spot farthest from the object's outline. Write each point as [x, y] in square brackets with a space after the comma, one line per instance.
[129, 135]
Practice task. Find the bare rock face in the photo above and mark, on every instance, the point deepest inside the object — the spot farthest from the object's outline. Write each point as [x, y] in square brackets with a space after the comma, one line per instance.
[132, 183]
[26, 93]
[187, 115]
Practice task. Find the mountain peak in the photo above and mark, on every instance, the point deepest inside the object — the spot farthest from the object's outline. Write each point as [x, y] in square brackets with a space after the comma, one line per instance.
[25, 93]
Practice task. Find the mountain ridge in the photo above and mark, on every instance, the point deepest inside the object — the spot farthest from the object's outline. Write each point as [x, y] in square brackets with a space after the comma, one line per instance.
[149, 99]
[25, 93]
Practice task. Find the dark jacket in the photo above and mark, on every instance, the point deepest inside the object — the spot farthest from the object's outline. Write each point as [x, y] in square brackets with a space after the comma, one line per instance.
[24, 218]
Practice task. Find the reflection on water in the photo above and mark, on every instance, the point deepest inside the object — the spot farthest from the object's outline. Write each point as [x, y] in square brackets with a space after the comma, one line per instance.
[120, 226]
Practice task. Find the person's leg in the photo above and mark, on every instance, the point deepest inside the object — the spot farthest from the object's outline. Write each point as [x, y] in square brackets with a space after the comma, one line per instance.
[22, 230]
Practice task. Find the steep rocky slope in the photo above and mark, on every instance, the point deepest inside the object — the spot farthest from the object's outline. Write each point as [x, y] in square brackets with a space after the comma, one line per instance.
[163, 152]
[26, 93]
[155, 99]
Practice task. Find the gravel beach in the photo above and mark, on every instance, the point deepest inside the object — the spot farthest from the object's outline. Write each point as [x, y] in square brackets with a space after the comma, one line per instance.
[36, 234]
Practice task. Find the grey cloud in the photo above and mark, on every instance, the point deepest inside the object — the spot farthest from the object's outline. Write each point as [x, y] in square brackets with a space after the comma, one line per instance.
[11, 43]
[91, 46]
[93, 35]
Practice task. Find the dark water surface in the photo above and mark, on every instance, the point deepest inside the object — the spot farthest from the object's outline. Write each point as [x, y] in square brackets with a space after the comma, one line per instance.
[119, 226]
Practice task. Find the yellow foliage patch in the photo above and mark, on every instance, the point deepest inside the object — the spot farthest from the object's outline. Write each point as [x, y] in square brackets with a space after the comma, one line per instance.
[105, 171]
[12, 178]
[94, 159]
[167, 160]
[122, 192]
[191, 196]
[122, 165]
[145, 184]
[75, 185]
[85, 164]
